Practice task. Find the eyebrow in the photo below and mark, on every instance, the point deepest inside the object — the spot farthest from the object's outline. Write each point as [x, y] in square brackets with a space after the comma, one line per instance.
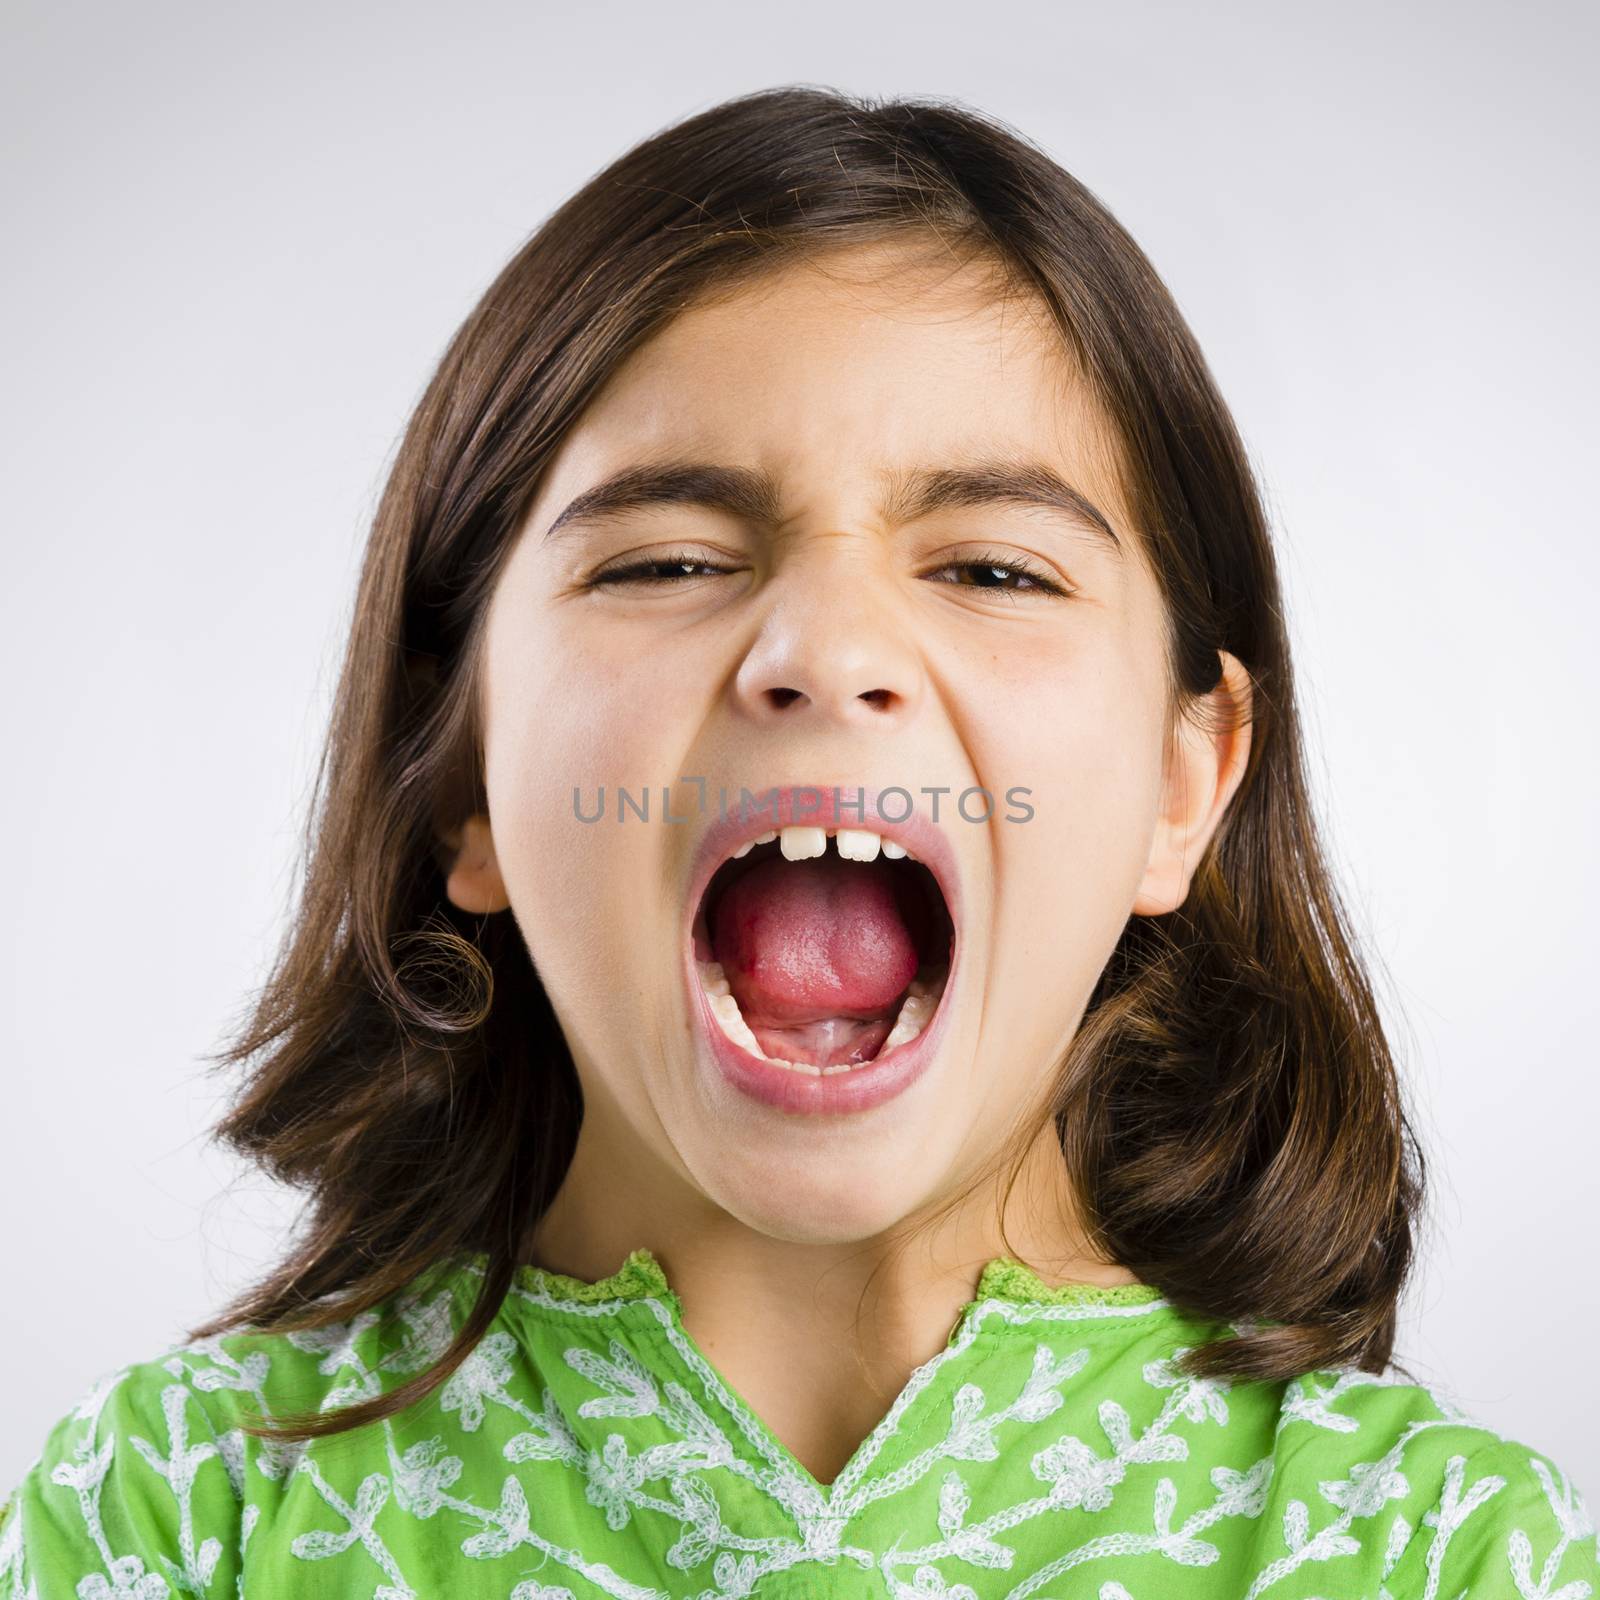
[752, 495]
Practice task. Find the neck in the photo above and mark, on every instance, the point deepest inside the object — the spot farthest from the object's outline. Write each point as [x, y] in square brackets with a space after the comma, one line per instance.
[818, 1335]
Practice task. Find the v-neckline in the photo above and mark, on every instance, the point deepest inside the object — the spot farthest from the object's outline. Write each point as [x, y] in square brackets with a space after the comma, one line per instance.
[641, 1281]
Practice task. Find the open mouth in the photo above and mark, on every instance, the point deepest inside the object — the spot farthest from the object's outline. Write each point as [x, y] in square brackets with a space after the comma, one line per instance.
[823, 950]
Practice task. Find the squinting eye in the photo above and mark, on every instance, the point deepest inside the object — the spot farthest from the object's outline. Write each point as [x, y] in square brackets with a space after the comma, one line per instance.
[671, 568]
[1004, 573]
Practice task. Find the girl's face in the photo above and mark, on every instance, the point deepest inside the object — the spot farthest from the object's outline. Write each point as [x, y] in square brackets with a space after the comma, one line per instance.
[819, 634]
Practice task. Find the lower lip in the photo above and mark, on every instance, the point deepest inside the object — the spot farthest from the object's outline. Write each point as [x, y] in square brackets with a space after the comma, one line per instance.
[859, 1089]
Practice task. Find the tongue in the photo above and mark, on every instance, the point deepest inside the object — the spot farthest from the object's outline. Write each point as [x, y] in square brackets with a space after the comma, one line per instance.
[817, 955]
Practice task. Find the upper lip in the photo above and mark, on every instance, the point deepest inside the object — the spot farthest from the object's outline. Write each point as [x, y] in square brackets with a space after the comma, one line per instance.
[830, 807]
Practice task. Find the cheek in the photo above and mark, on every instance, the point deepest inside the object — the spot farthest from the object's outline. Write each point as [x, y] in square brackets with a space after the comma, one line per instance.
[575, 704]
[1086, 740]
[595, 707]
[565, 718]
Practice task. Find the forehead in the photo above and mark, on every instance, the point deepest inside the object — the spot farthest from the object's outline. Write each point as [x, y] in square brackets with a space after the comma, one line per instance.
[835, 369]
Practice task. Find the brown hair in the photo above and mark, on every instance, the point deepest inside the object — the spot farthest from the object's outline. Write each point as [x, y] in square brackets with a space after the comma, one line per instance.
[1229, 1110]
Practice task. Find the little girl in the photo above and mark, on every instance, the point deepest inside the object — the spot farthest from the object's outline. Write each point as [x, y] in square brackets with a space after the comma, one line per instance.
[819, 1038]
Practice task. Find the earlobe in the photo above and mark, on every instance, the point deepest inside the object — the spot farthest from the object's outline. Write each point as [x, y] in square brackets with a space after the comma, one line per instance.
[474, 882]
[1206, 762]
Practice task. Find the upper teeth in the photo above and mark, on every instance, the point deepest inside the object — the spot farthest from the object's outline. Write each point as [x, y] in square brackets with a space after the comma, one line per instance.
[800, 843]
[797, 844]
[858, 844]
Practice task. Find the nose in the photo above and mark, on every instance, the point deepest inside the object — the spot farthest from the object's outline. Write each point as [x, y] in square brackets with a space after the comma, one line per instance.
[833, 644]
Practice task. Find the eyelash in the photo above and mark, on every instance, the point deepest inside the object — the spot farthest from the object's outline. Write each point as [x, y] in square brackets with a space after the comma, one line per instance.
[988, 561]
[1039, 581]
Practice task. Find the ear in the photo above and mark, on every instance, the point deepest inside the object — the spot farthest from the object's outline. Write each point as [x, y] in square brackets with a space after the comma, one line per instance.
[474, 883]
[1205, 762]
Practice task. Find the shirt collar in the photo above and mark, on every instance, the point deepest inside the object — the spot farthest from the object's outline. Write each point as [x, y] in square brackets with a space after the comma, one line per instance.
[641, 1277]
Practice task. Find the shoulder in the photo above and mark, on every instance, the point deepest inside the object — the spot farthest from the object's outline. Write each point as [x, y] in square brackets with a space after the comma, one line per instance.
[1465, 1507]
[100, 1507]
[152, 1479]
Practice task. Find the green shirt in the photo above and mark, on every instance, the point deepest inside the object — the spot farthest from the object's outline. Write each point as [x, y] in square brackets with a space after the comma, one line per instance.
[588, 1448]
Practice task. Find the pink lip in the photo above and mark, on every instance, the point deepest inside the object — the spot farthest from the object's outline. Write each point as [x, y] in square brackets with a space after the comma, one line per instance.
[813, 806]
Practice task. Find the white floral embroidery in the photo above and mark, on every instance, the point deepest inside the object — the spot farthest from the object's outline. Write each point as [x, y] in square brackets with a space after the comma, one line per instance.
[1068, 1428]
[482, 1376]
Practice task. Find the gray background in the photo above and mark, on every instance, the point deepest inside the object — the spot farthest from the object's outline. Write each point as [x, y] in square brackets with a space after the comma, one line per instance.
[240, 237]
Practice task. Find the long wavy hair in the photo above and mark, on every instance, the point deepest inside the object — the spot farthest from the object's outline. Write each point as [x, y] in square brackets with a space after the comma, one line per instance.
[1229, 1111]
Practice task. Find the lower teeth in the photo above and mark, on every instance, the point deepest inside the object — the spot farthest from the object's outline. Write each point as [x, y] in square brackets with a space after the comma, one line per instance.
[920, 1003]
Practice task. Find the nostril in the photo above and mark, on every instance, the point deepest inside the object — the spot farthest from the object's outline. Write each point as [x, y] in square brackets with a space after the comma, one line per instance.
[878, 699]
